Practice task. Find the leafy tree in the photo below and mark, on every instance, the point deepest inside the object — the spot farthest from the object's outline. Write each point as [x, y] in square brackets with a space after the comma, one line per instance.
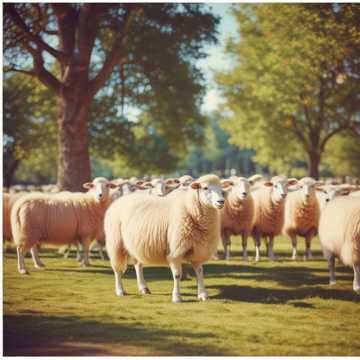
[342, 156]
[142, 53]
[29, 114]
[295, 82]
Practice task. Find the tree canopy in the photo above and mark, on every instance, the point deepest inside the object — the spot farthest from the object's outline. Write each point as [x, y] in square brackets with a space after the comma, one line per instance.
[132, 56]
[295, 82]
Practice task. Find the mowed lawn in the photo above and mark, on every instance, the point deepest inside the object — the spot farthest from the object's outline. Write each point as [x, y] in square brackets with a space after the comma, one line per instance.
[266, 308]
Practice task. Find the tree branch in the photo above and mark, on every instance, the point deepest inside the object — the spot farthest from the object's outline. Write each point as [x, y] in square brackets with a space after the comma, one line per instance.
[13, 69]
[331, 134]
[32, 37]
[114, 58]
[299, 134]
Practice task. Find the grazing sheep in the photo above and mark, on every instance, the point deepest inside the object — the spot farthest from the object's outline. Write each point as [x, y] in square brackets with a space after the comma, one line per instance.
[237, 217]
[61, 218]
[339, 233]
[160, 230]
[269, 202]
[302, 214]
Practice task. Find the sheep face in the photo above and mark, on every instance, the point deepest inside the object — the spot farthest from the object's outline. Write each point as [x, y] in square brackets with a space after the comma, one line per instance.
[279, 186]
[100, 188]
[242, 188]
[307, 187]
[211, 195]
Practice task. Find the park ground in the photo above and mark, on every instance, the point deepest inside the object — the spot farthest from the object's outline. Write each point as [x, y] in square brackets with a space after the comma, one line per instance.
[266, 308]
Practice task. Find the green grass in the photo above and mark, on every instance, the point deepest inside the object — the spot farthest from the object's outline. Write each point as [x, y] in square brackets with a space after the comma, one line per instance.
[265, 308]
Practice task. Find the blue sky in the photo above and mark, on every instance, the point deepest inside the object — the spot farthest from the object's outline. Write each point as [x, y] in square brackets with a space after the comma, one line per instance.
[217, 59]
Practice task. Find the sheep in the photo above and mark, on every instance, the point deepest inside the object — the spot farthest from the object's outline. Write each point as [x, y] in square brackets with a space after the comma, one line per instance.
[269, 202]
[8, 203]
[355, 193]
[160, 230]
[60, 218]
[302, 214]
[326, 193]
[237, 217]
[339, 233]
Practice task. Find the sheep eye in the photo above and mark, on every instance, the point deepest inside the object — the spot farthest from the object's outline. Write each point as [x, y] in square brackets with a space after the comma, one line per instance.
[206, 188]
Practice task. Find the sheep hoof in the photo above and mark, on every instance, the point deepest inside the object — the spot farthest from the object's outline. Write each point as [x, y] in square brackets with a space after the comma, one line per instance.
[23, 272]
[120, 293]
[293, 258]
[332, 282]
[203, 296]
[246, 258]
[145, 291]
[40, 266]
[257, 259]
[85, 264]
[176, 299]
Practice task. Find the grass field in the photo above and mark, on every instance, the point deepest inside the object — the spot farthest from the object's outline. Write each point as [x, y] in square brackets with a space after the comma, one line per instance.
[265, 308]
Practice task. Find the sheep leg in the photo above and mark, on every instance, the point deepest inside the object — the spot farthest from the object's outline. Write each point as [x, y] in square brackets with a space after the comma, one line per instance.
[271, 248]
[36, 259]
[257, 247]
[267, 245]
[294, 244]
[79, 252]
[356, 282]
[331, 265]
[85, 260]
[308, 254]
[202, 293]
[140, 279]
[226, 244]
[119, 289]
[176, 270]
[66, 251]
[21, 261]
[244, 246]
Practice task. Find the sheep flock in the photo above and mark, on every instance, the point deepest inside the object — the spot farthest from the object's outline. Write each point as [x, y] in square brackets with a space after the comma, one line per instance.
[173, 221]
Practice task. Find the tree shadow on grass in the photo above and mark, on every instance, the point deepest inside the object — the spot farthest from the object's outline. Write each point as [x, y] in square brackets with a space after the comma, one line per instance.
[35, 334]
[280, 296]
[290, 276]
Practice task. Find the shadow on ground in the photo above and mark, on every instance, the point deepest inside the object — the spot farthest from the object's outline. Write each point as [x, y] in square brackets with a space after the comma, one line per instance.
[71, 335]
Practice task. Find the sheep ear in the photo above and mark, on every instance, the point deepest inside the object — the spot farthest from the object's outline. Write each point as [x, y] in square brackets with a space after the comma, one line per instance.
[268, 183]
[195, 185]
[319, 188]
[112, 185]
[292, 182]
[226, 183]
[88, 185]
[253, 179]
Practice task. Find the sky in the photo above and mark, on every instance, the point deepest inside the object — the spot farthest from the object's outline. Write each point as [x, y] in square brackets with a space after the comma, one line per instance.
[216, 59]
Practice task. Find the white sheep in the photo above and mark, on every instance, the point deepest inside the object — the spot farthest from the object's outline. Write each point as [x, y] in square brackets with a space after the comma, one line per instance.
[302, 214]
[339, 233]
[326, 193]
[269, 202]
[61, 218]
[160, 230]
[237, 217]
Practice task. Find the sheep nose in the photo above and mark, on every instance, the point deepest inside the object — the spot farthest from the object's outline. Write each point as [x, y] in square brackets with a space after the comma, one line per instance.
[283, 196]
[100, 195]
[327, 200]
[221, 202]
[244, 193]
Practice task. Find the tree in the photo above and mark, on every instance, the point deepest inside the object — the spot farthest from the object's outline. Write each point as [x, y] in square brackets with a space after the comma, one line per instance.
[295, 82]
[29, 125]
[342, 156]
[82, 51]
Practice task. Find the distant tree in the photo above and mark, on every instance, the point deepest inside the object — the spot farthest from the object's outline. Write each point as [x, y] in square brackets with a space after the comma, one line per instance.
[295, 82]
[342, 156]
[143, 52]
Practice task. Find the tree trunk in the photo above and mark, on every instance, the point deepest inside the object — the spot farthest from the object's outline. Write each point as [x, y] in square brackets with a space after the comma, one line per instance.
[313, 165]
[9, 171]
[73, 153]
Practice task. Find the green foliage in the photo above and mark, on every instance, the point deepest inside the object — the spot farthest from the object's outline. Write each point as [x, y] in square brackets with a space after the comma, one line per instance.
[343, 154]
[294, 81]
[29, 129]
[268, 308]
[217, 154]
